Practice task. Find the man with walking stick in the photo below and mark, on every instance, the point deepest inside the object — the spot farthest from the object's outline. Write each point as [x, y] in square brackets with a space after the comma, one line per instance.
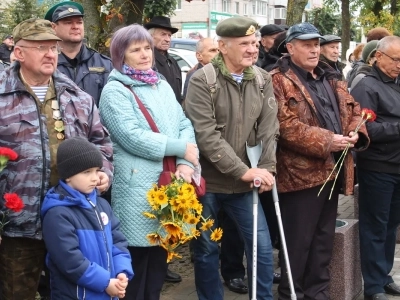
[317, 118]
[230, 102]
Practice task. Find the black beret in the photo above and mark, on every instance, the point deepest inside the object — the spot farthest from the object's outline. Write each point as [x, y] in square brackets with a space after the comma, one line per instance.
[271, 29]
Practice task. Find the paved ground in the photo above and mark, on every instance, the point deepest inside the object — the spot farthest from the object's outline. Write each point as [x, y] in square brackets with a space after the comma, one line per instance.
[186, 289]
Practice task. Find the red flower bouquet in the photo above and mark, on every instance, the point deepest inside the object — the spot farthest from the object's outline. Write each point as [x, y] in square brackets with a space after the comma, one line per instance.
[12, 203]
[367, 115]
[6, 154]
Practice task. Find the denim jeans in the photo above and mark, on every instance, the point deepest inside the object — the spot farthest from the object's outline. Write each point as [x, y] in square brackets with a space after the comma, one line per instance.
[379, 211]
[240, 208]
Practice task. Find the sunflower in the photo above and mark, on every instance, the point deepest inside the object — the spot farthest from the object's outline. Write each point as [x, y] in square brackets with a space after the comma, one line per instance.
[154, 238]
[160, 198]
[188, 189]
[207, 224]
[195, 232]
[171, 255]
[193, 220]
[216, 235]
[172, 228]
[149, 215]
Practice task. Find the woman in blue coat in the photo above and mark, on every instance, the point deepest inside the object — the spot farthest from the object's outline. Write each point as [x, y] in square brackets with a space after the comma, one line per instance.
[139, 152]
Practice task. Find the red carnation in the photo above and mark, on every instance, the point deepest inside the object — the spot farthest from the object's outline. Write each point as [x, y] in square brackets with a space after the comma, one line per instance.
[9, 153]
[14, 202]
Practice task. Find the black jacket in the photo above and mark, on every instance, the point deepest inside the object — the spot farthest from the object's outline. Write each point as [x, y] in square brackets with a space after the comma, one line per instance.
[90, 73]
[170, 69]
[5, 53]
[380, 93]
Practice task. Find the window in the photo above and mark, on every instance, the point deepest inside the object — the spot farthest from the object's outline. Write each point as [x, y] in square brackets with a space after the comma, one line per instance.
[236, 7]
[213, 4]
[260, 7]
[178, 5]
[226, 5]
[271, 14]
[280, 13]
[245, 9]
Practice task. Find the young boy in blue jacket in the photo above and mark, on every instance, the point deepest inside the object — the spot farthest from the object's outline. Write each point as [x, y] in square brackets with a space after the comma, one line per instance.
[87, 253]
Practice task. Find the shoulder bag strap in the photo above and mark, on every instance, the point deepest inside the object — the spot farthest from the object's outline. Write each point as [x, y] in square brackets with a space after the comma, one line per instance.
[168, 161]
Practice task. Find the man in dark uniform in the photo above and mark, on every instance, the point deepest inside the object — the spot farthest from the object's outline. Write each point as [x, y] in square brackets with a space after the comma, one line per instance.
[161, 30]
[6, 48]
[86, 67]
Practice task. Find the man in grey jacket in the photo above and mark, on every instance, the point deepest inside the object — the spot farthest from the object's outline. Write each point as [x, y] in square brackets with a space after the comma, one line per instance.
[240, 110]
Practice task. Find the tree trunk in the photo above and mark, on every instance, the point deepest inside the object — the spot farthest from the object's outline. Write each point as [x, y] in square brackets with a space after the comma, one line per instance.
[393, 7]
[295, 9]
[92, 22]
[345, 28]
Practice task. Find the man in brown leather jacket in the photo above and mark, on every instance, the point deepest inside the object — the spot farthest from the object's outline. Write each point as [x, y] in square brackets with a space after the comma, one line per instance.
[317, 118]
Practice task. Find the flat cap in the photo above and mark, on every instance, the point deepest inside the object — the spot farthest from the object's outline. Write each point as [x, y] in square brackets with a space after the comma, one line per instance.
[271, 29]
[63, 10]
[236, 27]
[302, 31]
[34, 30]
[330, 38]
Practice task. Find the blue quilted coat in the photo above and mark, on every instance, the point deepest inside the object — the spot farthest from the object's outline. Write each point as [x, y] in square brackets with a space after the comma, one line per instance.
[138, 151]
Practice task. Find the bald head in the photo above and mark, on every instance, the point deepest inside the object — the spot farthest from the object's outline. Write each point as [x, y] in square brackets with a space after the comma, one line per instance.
[206, 49]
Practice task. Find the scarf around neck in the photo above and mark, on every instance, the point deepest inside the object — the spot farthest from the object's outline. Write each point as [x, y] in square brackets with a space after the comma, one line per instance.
[148, 76]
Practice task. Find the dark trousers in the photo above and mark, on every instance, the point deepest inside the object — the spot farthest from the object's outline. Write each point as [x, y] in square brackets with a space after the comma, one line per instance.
[150, 268]
[309, 225]
[21, 262]
[232, 250]
[379, 214]
[268, 206]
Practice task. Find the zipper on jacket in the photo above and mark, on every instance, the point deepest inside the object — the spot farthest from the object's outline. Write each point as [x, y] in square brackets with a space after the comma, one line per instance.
[43, 153]
[104, 236]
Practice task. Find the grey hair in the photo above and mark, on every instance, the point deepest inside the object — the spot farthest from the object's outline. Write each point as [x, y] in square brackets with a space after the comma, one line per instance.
[152, 31]
[386, 42]
[121, 40]
[226, 40]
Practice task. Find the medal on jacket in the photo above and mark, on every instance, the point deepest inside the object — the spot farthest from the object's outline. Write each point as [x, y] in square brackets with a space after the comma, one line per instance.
[58, 124]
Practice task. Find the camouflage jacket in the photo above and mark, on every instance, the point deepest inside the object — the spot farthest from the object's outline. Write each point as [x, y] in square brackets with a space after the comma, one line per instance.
[304, 157]
[24, 129]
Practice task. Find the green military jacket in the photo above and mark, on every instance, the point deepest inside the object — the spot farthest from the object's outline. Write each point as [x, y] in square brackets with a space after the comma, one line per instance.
[224, 122]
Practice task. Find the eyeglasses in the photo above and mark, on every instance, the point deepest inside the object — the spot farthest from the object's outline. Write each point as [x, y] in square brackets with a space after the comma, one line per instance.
[45, 49]
[394, 60]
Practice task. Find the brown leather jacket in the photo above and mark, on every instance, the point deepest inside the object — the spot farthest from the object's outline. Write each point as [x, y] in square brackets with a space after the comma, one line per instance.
[304, 157]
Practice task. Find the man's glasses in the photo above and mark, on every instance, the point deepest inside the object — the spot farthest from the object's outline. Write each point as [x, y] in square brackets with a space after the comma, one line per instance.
[394, 60]
[45, 49]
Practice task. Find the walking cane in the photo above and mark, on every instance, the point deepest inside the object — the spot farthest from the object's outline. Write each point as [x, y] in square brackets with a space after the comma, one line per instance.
[283, 241]
[254, 154]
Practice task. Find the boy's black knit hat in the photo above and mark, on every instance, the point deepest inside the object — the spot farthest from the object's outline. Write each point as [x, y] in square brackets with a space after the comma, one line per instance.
[76, 155]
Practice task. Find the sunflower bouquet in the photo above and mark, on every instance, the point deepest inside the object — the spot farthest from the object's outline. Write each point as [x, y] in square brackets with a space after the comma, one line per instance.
[178, 211]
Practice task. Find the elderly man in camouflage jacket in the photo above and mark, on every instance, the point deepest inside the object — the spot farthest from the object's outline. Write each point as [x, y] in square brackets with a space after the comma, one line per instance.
[39, 108]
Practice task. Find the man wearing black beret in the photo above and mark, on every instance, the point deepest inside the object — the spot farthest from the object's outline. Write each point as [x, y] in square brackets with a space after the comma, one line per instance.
[268, 35]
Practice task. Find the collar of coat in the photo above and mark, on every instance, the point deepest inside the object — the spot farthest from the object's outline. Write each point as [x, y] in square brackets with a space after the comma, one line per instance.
[218, 61]
[284, 62]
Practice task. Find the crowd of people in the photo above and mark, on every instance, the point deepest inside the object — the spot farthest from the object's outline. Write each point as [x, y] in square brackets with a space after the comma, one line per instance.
[87, 155]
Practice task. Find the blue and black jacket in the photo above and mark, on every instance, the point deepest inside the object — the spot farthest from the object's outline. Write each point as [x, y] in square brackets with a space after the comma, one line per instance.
[85, 245]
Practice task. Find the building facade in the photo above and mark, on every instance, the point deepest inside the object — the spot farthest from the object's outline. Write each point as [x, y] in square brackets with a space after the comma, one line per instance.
[199, 18]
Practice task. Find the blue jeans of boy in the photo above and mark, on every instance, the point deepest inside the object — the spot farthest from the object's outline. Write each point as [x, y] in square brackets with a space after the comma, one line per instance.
[206, 266]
